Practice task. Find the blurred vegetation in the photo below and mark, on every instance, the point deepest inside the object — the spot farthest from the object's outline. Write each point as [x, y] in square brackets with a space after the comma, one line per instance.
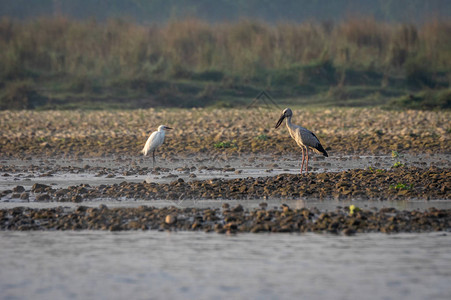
[62, 63]
[229, 10]
[424, 100]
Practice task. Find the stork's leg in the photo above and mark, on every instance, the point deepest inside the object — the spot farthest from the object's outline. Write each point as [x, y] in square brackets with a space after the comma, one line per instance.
[153, 158]
[306, 168]
[303, 158]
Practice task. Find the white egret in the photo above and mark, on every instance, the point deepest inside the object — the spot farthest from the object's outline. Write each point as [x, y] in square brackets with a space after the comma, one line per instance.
[154, 141]
[303, 137]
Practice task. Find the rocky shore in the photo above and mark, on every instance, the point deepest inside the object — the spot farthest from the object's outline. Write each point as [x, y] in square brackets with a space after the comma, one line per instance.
[226, 220]
[377, 184]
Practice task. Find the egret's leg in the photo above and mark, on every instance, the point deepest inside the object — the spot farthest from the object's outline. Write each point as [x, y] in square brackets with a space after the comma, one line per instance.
[153, 158]
[303, 158]
[306, 167]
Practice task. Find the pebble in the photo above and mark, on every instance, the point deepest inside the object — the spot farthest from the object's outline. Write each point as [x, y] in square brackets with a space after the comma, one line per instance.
[235, 221]
[19, 189]
[397, 183]
[170, 219]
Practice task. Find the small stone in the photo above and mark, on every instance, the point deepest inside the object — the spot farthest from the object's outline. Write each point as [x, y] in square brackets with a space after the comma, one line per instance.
[238, 208]
[285, 208]
[19, 189]
[76, 199]
[115, 227]
[134, 225]
[39, 188]
[403, 192]
[263, 205]
[348, 231]
[170, 219]
[42, 197]
[81, 209]
[195, 226]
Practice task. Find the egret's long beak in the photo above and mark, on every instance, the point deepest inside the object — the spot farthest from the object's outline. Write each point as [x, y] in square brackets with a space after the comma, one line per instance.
[280, 120]
[168, 128]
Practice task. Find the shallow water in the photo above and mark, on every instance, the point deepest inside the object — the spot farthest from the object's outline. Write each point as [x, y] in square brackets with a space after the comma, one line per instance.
[246, 166]
[193, 265]
[187, 265]
[323, 205]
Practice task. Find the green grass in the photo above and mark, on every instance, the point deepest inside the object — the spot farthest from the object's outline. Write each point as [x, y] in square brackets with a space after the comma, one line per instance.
[224, 145]
[398, 164]
[262, 137]
[375, 170]
[401, 186]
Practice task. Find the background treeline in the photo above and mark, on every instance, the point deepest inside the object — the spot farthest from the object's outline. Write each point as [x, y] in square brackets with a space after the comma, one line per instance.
[61, 62]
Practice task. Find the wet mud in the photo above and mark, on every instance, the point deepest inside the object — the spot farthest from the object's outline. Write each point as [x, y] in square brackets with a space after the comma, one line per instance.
[226, 219]
[377, 184]
[83, 157]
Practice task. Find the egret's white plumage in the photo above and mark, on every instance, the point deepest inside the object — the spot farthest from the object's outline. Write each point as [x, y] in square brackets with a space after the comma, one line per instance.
[154, 141]
[303, 137]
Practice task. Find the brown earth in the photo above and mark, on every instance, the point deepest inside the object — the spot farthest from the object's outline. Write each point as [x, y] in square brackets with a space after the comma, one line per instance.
[104, 133]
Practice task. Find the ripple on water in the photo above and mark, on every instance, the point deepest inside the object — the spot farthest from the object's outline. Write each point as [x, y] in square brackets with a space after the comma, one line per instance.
[90, 264]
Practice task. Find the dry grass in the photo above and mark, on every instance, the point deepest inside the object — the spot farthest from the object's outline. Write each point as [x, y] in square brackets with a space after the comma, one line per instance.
[242, 48]
[67, 59]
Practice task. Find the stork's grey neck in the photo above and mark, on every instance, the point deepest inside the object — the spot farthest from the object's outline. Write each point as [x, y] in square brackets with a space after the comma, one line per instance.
[289, 125]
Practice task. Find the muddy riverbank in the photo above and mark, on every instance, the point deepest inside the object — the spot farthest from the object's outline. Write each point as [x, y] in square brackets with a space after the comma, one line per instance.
[219, 132]
[226, 220]
[225, 156]
[377, 184]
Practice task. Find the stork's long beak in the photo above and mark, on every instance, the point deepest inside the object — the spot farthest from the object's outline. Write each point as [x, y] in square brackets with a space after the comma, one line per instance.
[280, 120]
